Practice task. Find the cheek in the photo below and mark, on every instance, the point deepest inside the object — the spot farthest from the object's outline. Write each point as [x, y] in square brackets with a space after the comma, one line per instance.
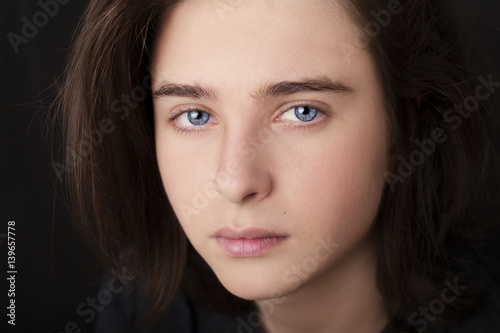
[177, 169]
[344, 182]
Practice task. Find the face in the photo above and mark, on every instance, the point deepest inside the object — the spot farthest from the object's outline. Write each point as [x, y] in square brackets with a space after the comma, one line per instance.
[271, 140]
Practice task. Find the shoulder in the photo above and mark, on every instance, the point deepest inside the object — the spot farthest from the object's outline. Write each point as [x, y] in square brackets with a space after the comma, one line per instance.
[484, 267]
[125, 310]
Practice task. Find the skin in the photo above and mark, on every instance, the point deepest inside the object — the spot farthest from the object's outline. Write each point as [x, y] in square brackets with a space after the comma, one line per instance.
[254, 164]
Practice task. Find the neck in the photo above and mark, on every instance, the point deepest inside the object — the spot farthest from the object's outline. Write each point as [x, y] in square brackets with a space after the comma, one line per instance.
[342, 299]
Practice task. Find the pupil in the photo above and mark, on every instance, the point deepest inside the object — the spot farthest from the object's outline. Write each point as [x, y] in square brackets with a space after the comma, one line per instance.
[305, 113]
[198, 118]
[303, 110]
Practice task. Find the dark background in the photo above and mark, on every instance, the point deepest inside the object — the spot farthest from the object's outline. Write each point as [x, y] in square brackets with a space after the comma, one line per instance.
[55, 272]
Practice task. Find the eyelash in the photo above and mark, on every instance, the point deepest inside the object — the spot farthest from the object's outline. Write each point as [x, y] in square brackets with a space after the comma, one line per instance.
[185, 130]
[320, 119]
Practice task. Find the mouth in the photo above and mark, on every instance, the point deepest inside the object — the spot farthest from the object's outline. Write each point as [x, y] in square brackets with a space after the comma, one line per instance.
[248, 242]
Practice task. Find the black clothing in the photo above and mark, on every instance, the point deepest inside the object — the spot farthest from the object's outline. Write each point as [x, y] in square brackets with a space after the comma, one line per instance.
[184, 317]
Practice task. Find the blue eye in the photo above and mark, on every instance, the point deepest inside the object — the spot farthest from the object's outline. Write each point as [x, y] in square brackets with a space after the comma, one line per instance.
[302, 113]
[194, 118]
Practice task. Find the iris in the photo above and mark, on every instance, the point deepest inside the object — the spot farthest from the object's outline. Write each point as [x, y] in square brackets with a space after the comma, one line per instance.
[305, 113]
[198, 118]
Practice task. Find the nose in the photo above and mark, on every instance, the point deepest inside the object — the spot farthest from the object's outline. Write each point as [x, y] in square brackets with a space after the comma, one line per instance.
[243, 174]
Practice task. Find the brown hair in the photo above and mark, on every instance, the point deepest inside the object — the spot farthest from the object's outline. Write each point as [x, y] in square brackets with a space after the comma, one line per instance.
[427, 209]
[109, 165]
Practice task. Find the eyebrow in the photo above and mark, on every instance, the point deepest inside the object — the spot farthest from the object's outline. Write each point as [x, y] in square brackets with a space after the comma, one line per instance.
[279, 89]
[285, 88]
[185, 90]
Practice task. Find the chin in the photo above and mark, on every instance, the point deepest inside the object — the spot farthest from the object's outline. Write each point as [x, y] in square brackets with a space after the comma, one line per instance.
[255, 293]
[255, 283]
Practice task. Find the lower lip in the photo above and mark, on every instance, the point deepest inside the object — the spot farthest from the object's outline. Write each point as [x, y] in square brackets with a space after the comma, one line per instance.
[249, 247]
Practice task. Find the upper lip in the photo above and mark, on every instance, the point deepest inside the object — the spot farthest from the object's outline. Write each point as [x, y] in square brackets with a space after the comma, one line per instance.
[248, 233]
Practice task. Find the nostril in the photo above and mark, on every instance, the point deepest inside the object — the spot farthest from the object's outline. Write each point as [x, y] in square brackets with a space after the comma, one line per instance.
[250, 196]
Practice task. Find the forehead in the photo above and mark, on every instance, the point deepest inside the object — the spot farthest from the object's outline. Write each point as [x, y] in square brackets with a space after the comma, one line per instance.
[260, 40]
